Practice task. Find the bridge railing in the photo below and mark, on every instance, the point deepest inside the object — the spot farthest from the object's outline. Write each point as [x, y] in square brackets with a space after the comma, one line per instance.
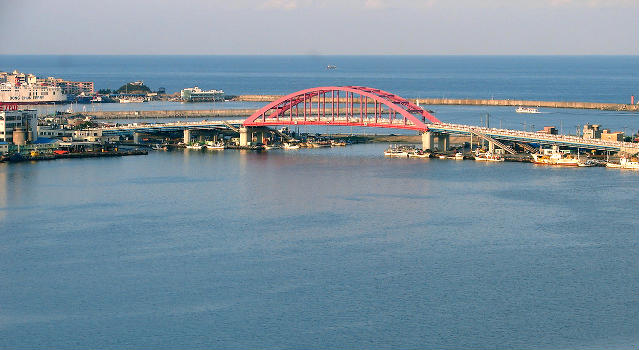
[537, 136]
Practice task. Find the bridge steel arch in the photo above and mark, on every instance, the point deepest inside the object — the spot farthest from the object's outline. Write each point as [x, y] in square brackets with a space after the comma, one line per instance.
[323, 106]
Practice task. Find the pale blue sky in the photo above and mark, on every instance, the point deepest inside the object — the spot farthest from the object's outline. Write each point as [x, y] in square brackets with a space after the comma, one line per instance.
[425, 27]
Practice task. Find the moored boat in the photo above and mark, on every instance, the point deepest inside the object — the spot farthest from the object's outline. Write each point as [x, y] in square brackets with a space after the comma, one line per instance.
[528, 110]
[555, 157]
[194, 146]
[488, 157]
[624, 163]
[215, 146]
[289, 145]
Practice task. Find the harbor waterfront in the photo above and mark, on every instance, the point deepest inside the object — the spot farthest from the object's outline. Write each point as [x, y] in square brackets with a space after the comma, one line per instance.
[286, 242]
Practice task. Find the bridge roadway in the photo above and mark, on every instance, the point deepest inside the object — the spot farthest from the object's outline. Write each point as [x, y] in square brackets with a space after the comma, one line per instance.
[441, 128]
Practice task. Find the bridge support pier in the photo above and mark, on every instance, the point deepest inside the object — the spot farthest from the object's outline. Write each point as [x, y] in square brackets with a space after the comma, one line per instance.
[244, 136]
[427, 140]
[136, 138]
[442, 142]
[491, 147]
[187, 136]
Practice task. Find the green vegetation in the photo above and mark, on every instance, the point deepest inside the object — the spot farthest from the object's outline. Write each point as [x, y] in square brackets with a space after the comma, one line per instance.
[85, 125]
[132, 88]
[104, 91]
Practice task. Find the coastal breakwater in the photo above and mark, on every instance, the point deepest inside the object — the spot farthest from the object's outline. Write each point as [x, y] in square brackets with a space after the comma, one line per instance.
[221, 113]
[481, 102]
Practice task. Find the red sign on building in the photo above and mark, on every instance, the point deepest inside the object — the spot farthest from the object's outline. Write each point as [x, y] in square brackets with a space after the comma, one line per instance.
[8, 106]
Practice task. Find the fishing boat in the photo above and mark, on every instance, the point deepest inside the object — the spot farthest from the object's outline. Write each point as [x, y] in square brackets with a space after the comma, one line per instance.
[528, 110]
[459, 156]
[288, 145]
[194, 146]
[319, 144]
[488, 157]
[555, 157]
[335, 143]
[624, 163]
[215, 146]
[397, 152]
[419, 154]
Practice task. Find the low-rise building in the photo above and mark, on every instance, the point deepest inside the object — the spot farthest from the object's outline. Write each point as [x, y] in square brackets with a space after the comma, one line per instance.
[551, 130]
[607, 135]
[52, 132]
[195, 94]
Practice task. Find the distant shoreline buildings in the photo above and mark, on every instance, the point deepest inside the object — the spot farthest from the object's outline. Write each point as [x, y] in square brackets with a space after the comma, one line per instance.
[18, 87]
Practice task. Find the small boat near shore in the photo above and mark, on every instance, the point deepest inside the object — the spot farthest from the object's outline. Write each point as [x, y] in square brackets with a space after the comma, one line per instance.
[488, 157]
[398, 152]
[217, 146]
[528, 110]
[555, 157]
[624, 163]
[289, 145]
[419, 154]
[194, 146]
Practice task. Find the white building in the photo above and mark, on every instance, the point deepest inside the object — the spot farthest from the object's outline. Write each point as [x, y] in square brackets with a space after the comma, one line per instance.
[195, 94]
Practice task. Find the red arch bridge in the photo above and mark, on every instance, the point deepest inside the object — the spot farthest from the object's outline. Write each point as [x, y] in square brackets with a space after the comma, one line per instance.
[368, 107]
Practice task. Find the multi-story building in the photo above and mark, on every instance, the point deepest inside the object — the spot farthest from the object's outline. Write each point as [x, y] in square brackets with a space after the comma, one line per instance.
[19, 126]
[591, 131]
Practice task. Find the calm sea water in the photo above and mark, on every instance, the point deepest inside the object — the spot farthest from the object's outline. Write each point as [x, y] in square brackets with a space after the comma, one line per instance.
[316, 249]
[325, 248]
[567, 78]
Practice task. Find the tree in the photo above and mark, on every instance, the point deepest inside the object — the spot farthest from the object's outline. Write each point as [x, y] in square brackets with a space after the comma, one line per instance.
[131, 88]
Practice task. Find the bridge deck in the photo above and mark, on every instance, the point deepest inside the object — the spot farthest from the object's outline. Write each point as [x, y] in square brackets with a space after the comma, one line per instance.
[446, 128]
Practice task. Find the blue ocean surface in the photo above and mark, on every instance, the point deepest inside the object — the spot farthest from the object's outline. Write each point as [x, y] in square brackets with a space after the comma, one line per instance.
[554, 78]
[316, 248]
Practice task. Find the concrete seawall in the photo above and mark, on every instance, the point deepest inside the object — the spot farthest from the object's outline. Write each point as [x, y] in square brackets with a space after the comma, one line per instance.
[424, 102]
[479, 102]
[547, 104]
[205, 113]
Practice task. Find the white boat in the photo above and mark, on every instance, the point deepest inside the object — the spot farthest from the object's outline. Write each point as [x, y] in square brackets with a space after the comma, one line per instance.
[459, 156]
[272, 146]
[624, 163]
[194, 146]
[215, 146]
[627, 163]
[529, 110]
[488, 157]
[419, 154]
[396, 153]
[288, 145]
